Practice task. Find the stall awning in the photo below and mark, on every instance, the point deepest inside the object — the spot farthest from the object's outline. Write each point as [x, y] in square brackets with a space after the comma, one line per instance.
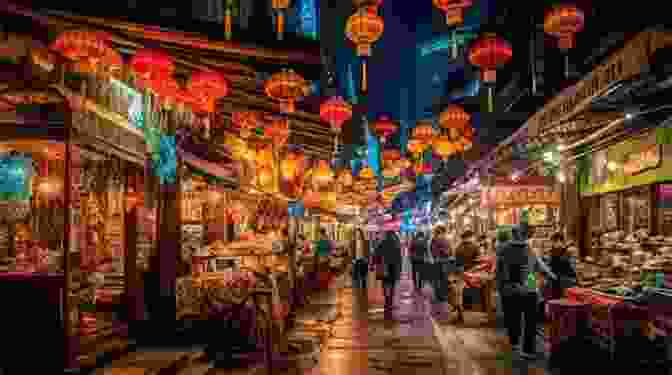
[210, 168]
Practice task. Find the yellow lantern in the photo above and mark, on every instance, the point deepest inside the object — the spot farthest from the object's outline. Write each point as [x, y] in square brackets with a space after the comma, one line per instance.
[323, 174]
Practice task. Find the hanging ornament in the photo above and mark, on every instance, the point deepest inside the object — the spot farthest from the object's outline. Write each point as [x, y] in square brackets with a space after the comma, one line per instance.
[364, 28]
[454, 117]
[323, 176]
[280, 6]
[277, 130]
[424, 133]
[490, 52]
[206, 87]
[247, 121]
[384, 128]
[454, 10]
[287, 87]
[564, 22]
[335, 111]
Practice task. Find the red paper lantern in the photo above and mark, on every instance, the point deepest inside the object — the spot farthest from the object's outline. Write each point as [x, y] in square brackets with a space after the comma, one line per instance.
[208, 85]
[374, 5]
[364, 28]
[336, 111]
[391, 156]
[287, 87]
[454, 117]
[454, 10]
[564, 22]
[489, 53]
[384, 128]
[152, 66]
[247, 121]
[88, 49]
[424, 133]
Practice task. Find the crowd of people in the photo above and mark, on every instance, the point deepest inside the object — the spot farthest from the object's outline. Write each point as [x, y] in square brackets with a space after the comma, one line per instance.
[440, 262]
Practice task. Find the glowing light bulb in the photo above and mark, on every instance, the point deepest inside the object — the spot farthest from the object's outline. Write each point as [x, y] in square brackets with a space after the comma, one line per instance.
[612, 166]
[561, 177]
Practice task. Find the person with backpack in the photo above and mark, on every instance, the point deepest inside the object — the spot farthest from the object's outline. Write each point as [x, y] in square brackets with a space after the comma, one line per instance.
[517, 285]
[418, 253]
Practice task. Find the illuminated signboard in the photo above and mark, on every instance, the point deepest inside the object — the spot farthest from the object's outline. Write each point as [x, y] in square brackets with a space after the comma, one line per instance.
[642, 160]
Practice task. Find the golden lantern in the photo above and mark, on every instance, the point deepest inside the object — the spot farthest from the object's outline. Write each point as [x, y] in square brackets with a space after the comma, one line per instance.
[323, 174]
[292, 163]
[264, 157]
[454, 10]
[265, 176]
[424, 133]
[416, 147]
[445, 147]
[286, 87]
[364, 28]
[280, 6]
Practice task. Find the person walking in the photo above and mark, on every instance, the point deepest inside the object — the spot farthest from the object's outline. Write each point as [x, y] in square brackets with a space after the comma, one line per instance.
[360, 269]
[418, 254]
[466, 255]
[389, 255]
[440, 253]
[516, 265]
[563, 265]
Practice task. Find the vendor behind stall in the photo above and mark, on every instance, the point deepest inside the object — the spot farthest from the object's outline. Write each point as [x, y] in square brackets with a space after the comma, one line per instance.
[563, 265]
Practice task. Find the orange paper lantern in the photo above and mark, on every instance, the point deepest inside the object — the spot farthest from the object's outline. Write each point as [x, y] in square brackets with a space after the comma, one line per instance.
[336, 111]
[286, 87]
[564, 22]
[364, 28]
[454, 10]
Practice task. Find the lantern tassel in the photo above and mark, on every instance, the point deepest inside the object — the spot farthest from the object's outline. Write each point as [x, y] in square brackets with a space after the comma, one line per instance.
[364, 77]
[227, 24]
[281, 24]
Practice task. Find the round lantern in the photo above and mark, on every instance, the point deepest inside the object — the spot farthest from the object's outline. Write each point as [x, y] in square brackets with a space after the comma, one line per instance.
[87, 48]
[277, 130]
[454, 10]
[391, 157]
[265, 176]
[367, 173]
[323, 174]
[384, 128]
[286, 87]
[335, 111]
[564, 22]
[280, 6]
[445, 147]
[489, 53]
[424, 133]
[208, 85]
[364, 28]
[247, 121]
[151, 66]
[416, 147]
[454, 117]
[290, 166]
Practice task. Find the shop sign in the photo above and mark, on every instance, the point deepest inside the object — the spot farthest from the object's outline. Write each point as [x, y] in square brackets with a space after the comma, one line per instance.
[642, 160]
[498, 197]
[625, 63]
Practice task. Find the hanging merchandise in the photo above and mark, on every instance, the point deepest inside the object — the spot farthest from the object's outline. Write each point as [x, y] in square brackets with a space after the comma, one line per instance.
[364, 28]
[151, 67]
[280, 6]
[490, 52]
[454, 10]
[564, 22]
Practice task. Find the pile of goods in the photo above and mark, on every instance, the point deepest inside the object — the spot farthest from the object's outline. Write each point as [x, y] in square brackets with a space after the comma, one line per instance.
[482, 273]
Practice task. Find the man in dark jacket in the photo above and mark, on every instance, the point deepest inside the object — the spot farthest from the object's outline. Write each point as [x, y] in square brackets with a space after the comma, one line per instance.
[389, 252]
[418, 252]
[515, 263]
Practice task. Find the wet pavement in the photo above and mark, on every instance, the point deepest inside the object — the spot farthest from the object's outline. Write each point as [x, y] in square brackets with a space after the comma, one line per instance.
[342, 331]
